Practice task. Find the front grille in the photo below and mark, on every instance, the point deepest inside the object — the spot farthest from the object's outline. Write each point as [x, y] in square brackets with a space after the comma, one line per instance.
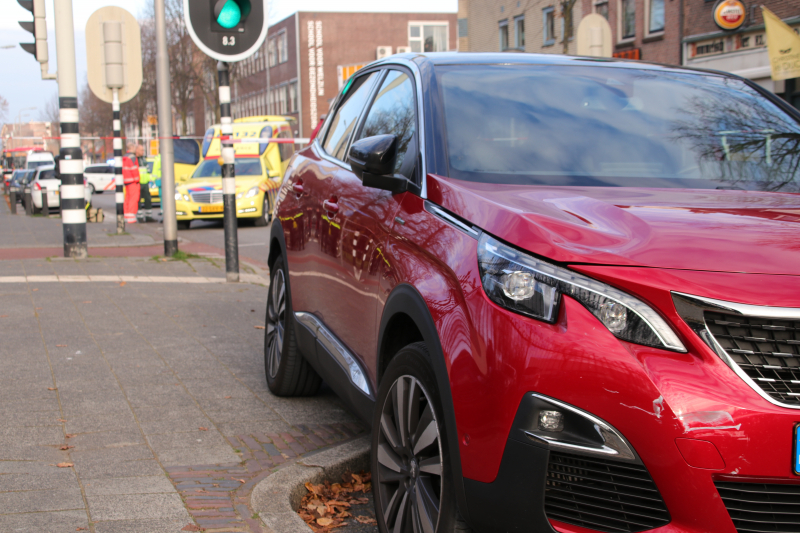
[768, 350]
[602, 495]
[762, 508]
[213, 197]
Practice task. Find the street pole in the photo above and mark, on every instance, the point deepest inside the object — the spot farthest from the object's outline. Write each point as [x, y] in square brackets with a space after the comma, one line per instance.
[73, 211]
[228, 176]
[120, 192]
[169, 222]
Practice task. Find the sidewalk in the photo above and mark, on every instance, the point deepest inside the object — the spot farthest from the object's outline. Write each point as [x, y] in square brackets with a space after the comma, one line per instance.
[139, 404]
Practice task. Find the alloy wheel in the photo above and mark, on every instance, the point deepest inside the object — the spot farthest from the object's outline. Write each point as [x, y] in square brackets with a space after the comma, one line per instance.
[276, 323]
[409, 460]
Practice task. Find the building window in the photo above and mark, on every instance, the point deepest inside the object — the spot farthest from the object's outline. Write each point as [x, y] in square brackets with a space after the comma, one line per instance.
[428, 36]
[549, 20]
[293, 97]
[273, 60]
[283, 48]
[503, 35]
[463, 28]
[601, 8]
[655, 16]
[628, 19]
[519, 32]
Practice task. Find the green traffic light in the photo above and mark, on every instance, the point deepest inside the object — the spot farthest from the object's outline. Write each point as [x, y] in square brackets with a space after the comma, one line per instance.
[230, 15]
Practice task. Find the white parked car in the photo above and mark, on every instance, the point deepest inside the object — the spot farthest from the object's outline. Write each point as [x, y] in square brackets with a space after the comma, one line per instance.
[100, 177]
[45, 180]
[38, 159]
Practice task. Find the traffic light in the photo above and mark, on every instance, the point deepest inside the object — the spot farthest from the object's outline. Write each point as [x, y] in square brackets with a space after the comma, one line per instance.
[227, 30]
[38, 27]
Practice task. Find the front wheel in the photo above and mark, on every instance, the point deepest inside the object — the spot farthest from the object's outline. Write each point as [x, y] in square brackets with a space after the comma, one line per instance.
[184, 224]
[266, 214]
[411, 471]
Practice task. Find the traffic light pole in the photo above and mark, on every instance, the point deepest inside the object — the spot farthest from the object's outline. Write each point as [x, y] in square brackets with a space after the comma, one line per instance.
[169, 222]
[73, 209]
[228, 176]
[119, 194]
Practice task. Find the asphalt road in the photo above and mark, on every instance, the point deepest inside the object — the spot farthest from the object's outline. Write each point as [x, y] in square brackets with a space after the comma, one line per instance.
[252, 241]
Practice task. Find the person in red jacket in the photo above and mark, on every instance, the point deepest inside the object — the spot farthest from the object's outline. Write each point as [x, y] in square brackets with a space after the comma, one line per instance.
[130, 176]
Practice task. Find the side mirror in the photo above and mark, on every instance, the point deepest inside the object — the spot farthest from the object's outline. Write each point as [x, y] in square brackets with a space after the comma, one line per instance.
[372, 160]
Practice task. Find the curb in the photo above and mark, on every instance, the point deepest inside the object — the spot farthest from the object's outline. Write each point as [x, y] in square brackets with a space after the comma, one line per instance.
[277, 497]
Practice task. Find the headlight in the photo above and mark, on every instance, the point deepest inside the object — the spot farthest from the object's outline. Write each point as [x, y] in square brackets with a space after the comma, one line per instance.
[179, 196]
[252, 192]
[529, 286]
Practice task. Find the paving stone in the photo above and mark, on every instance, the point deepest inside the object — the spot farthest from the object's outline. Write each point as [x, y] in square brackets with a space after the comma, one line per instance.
[54, 521]
[136, 507]
[129, 485]
[41, 500]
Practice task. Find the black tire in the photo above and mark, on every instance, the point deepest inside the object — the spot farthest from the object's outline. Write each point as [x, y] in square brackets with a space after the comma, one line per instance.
[266, 214]
[287, 371]
[412, 458]
[184, 224]
[92, 189]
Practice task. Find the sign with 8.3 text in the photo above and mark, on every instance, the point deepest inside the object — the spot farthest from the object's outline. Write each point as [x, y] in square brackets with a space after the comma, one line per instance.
[227, 30]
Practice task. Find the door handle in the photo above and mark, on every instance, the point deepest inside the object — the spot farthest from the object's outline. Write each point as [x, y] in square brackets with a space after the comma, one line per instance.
[330, 206]
[297, 187]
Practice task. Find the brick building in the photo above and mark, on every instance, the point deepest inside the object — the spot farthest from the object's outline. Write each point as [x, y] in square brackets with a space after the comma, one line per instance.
[741, 51]
[311, 54]
[533, 26]
[642, 29]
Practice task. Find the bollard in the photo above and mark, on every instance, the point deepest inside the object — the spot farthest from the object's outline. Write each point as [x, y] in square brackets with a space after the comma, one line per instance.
[12, 198]
[45, 203]
[28, 202]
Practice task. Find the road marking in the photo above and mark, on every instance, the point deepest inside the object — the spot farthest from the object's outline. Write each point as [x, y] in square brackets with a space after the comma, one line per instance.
[248, 278]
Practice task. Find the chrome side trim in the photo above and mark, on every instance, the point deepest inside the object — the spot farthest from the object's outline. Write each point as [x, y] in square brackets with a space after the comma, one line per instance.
[692, 310]
[614, 444]
[343, 356]
[437, 211]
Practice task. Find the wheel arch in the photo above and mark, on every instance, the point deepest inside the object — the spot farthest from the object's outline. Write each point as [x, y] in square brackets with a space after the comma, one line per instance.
[277, 244]
[406, 317]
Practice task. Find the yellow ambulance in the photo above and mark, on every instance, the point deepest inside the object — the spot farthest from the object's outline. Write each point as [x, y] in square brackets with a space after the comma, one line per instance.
[259, 169]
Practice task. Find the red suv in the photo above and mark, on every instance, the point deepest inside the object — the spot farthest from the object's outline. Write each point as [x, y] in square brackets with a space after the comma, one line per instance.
[564, 292]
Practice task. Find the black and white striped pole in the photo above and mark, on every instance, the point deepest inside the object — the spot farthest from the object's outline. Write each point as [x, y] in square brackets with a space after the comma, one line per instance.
[73, 208]
[228, 175]
[120, 191]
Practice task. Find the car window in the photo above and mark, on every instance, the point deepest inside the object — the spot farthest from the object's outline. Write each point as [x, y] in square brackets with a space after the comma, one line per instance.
[47, 175]
[185, 151]
[344, 122]
[210, 168]
[393, 113]
[93, 170]
[286, 149]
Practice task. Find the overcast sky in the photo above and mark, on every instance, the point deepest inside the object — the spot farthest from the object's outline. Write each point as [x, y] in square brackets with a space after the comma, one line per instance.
[23, 87]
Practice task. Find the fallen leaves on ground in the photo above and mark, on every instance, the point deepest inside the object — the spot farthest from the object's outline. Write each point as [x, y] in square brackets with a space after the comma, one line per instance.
[66, 447]
[241, 481]
[88, 302]
[60, 420]
[70, 435]
[37, 308]
[51, 388]
[259, 327]
[65, 465]
[327, 505]
[61, 345]
[190, 527]
[227, 398]
[3, 316]
[123, 283]
[202, 429]
[366, 520]
[34, 290]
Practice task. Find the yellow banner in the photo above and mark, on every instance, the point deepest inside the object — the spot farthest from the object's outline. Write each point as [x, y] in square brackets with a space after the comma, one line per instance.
[783, 47]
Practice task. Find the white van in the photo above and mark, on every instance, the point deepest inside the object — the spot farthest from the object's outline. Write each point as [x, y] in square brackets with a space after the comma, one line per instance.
[37, 159]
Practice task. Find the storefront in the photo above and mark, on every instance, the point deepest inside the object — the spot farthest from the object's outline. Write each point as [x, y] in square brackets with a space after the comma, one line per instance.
[739, 47]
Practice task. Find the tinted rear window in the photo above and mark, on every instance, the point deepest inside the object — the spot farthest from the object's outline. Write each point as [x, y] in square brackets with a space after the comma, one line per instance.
[607, 126]
[187, 151]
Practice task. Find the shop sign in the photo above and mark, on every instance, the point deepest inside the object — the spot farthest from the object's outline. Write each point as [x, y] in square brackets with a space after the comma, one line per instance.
[729, 14]
[635, 53]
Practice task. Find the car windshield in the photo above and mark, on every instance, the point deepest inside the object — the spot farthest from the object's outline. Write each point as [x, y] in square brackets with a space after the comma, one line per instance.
[210, 168]
[611, 126]
[35, 164]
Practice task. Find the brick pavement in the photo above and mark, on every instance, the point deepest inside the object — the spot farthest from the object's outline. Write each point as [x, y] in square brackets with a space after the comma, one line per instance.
[141, 382]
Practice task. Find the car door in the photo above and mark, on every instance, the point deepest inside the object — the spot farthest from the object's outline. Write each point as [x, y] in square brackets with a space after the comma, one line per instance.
[309, 221]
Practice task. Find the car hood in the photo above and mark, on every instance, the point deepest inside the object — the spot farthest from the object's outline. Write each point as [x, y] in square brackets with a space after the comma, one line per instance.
[243, 183]
[689, 229]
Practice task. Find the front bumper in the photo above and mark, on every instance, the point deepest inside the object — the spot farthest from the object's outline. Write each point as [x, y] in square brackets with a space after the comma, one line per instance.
[245, 208]
[702, 434]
